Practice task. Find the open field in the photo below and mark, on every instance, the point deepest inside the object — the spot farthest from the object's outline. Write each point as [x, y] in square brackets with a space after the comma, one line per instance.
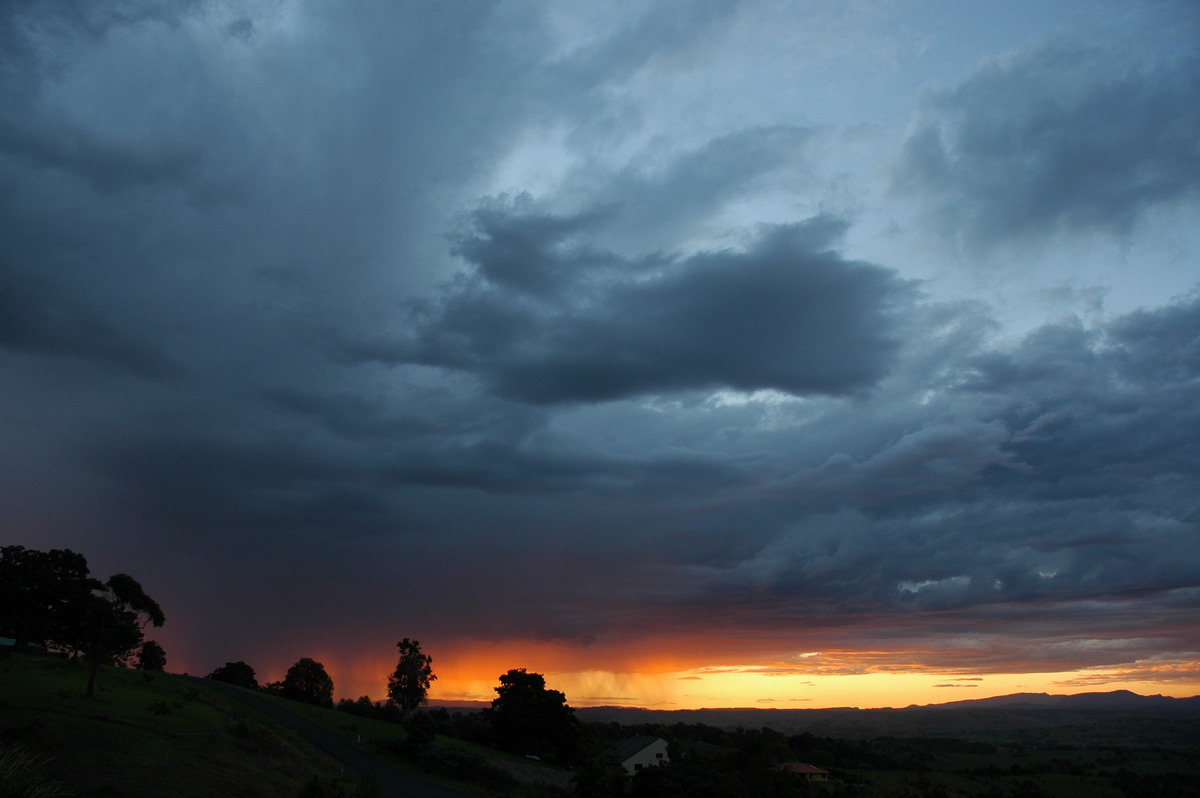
[166, 735]
[161, 735]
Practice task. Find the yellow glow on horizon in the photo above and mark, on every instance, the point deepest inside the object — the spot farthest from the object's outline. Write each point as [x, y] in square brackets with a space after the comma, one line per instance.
[809, 681]
[734, 687]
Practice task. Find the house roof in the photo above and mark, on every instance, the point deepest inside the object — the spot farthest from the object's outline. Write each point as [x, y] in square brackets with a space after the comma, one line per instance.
[631, 747]
[801, 768]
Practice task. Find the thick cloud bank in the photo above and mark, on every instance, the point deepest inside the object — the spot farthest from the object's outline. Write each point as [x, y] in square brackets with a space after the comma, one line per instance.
[614, 328]
[545, 317]
[1061, 138]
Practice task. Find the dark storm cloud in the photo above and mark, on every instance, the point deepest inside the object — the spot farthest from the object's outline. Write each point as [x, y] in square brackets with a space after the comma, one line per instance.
[199, 484]
[108, 166]
[235, 351]
[1064, 477]
[1059, 138]
[25, 21]
[667, 197]
[41, 318]
[1160, 345]
[546, 318]
[181, 202]
[44, 137]
[1107, 412]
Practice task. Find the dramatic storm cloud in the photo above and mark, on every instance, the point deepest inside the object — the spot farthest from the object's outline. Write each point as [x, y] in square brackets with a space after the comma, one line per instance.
[547, 318]
[691, 339]
[1063, 137]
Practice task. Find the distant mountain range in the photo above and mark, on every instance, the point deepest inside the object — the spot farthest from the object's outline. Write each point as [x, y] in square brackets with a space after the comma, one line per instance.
[1118, 717]
[1115, 701]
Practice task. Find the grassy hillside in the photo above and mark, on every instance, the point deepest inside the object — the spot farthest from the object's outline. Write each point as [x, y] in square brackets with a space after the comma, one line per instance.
[162, 736]
[169, 736]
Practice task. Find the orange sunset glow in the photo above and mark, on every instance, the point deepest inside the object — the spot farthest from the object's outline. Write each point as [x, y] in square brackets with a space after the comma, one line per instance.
[830, 679]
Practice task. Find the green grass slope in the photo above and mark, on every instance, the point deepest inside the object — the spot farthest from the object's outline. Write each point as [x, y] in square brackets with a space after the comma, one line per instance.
[146, 735]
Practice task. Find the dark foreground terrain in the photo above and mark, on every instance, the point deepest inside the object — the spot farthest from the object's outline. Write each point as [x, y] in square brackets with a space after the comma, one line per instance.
[157, 734]
[165, 735]
[1091, 746]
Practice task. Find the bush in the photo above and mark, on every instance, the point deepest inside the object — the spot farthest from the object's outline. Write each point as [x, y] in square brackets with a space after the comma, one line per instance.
[163, 707]
[236, 673]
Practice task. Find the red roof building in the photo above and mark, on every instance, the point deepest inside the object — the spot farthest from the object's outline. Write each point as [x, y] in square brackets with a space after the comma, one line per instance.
[806, 772]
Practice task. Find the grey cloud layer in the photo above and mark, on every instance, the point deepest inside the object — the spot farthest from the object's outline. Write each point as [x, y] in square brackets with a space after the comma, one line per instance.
[1062, 138]
[1064, 473]
[260, 320]
[547, 318]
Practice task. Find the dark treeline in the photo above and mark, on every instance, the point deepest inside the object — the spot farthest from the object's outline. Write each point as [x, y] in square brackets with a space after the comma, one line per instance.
[306, 681]
[525, 718]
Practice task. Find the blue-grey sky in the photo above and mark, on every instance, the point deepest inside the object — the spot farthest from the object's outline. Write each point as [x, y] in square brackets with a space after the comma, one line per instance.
[776, 327]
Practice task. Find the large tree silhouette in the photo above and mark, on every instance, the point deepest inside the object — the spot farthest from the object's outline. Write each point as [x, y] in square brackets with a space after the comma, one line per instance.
[307, 681]
[237, 673]
[114, 622]
[152, 657]
[47, 599]
[409, 683]
[44, 597]
[530, 719]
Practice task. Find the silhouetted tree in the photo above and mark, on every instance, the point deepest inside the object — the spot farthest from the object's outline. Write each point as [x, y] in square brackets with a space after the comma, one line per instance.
[152, 657]
[44, 597]
[132, 610]
[114, 622]
[307, 681]
[409, 684]
[531, 719]
[236, 673]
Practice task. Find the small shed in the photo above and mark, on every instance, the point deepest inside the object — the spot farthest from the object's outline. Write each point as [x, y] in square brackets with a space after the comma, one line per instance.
[804, 771]
[640, 752]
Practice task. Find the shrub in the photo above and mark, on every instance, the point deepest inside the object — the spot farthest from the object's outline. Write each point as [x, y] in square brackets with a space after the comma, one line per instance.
[161, 708]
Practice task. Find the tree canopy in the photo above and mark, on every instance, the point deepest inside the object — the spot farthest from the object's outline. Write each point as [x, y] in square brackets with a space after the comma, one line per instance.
[44, 597]
[236, 673]
[115, 620]
[531, 719]
[408, 685]
[120, 613]
[48, 600]
[307, 681]
[152, 657]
